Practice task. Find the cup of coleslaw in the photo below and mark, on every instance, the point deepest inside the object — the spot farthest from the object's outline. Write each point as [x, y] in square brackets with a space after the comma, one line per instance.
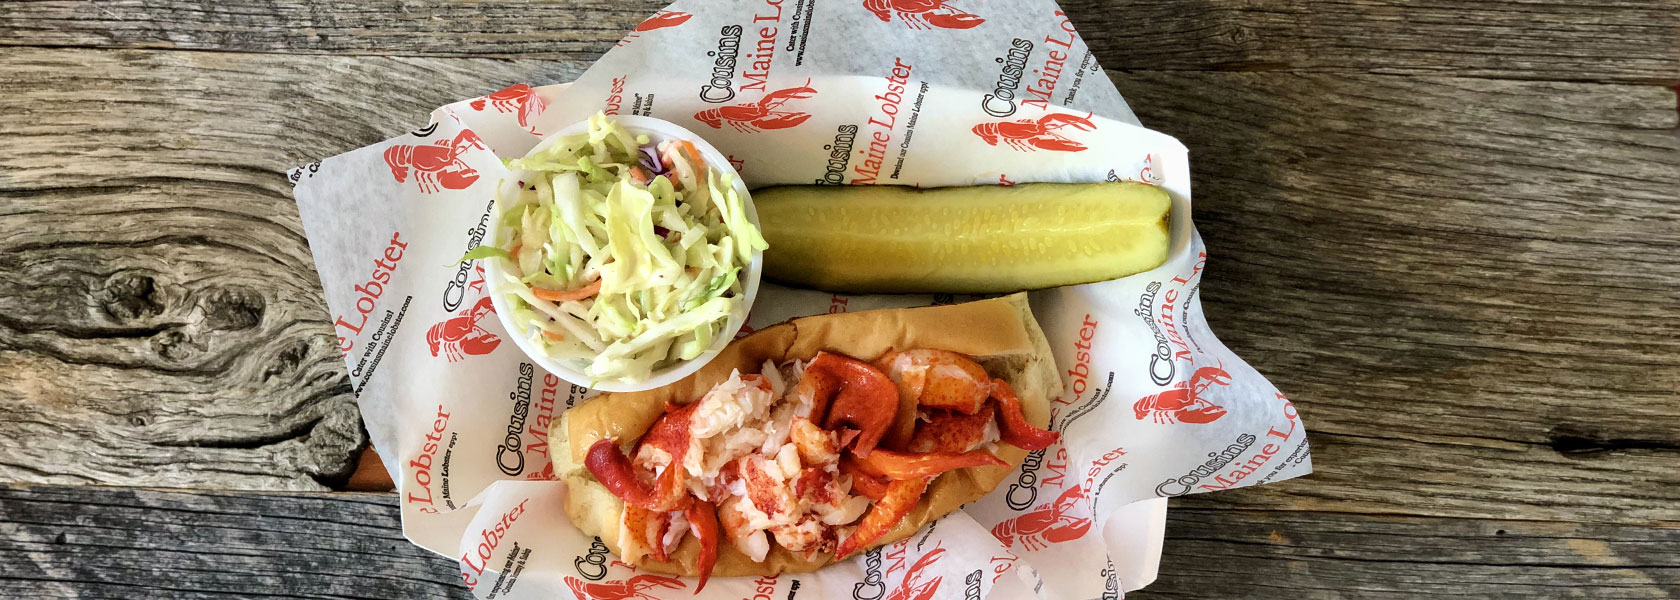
[625, 253]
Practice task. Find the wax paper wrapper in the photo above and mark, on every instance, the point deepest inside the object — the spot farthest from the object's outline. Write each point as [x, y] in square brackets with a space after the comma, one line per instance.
[799, 92]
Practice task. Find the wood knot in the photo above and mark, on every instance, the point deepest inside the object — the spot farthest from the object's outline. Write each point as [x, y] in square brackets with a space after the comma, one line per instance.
[286, 361]
[176, 345]
[128, 296]
[232, 308]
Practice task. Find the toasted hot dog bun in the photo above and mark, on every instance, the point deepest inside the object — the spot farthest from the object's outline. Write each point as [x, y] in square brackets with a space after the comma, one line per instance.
[1000, 334]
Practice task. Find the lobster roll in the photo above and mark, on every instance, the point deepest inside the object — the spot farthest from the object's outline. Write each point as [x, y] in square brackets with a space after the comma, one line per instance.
[812, 440]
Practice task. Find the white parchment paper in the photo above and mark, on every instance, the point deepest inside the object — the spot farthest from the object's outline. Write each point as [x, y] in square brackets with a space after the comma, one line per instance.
[905, 92]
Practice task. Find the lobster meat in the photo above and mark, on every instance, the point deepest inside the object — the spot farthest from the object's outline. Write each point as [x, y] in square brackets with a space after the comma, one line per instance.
[756, 459]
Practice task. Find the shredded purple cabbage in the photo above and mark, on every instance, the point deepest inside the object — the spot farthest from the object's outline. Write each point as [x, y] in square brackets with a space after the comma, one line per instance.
[650, 161]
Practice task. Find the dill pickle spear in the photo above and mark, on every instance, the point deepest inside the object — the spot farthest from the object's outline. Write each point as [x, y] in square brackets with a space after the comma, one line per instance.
[897, 239]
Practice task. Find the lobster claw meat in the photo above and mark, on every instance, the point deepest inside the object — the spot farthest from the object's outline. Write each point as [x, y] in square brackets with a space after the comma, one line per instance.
[865, 399]
[900, 498]
[612, 468]
[868, 485]
[702, 519]
[1012, 421]
[918, 465]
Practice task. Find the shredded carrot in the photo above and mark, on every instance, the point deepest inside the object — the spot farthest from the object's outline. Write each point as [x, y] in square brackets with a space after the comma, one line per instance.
[693, 153]
[554, 336]
[593, 288]
[514, 253]
[639, 175]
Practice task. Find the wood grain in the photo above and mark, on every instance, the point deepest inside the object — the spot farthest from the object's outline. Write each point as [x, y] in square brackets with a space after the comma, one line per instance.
[115, 542]
[1468, 286]
[161, 322]
[1221, 553]
[100, 542]
[1611, 40]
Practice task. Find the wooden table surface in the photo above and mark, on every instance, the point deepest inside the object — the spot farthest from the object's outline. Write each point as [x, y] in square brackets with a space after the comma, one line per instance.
[1448, 230]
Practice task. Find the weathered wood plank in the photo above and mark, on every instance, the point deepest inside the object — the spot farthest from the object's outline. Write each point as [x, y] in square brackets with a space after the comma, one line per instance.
[160, 316]
[1469, 286]
[1617, 40]
[1613, 40]
[90, 541]
[105, 542]
[1221, 553]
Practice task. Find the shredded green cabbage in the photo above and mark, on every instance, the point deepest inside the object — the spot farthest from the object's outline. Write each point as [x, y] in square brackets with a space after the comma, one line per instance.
[663, 234]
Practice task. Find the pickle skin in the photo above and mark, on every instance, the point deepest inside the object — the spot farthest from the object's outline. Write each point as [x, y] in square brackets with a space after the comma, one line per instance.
[981, 239]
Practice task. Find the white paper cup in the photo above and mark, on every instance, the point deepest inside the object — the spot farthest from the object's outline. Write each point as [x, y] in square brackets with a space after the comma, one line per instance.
[657, 130]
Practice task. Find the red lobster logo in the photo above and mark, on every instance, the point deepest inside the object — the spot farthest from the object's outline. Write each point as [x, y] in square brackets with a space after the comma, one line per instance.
[438, 164]
[461, 335]
[754, 116]
[634, 587]
[1028, 135]
[923, 14]
[518, 98]
[912, 587]
[1047, 524]
[663, 19]
[1184, 402]
[659, 20]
